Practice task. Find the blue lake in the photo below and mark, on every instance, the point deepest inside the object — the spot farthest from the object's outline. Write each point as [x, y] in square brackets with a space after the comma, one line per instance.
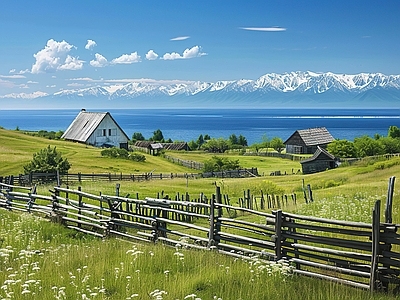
[188, 124]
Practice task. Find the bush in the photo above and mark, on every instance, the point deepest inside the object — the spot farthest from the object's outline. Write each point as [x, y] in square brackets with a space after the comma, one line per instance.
[217, 164]
[137, 157]
[123, 153]
[47, 160]
[115, 153]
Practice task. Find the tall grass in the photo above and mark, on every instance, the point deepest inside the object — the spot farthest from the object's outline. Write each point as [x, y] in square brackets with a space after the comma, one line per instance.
[42, 260]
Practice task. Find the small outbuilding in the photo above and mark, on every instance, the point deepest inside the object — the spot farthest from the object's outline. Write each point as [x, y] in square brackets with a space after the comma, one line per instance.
[98, 129]
[306, 141]
[321, 160]
[150, 146]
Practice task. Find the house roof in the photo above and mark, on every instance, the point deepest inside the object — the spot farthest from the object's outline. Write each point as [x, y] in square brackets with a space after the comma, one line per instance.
[314, 136]
[84, 124]
[320, 151]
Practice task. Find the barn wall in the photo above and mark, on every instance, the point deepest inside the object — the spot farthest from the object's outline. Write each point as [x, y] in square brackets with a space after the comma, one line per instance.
[108, 133]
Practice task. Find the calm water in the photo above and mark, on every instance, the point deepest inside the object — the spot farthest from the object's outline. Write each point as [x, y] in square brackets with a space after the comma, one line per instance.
[188, 124]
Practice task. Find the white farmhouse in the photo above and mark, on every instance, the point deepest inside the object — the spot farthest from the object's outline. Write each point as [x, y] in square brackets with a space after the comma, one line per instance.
[96, 129]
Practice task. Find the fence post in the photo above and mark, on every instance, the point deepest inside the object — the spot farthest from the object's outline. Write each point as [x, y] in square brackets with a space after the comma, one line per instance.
[278, 234]
[117, 186]
[373, 281]
[389, 201]
[80, 205]
[211, 238]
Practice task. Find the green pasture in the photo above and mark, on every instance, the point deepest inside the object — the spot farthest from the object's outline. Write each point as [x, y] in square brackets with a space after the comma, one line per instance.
[38, 257]
[42, 260]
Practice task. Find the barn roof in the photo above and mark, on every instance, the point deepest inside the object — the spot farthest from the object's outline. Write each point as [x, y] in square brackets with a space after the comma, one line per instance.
[84, 124]
[166, 146]
[314, 136]
[321, 152]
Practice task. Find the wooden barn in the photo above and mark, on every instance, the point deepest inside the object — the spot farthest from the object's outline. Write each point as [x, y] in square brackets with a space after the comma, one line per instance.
[153, 147]
[98, 129]
[306, 141]
[320, 161]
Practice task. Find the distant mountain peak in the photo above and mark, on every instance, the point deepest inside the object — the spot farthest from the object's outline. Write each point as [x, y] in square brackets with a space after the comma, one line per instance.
[272, 89]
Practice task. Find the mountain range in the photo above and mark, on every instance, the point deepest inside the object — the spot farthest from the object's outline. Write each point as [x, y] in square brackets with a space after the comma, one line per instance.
[294, 89]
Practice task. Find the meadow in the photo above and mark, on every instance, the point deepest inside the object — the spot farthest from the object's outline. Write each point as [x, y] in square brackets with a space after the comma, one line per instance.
[43, 260]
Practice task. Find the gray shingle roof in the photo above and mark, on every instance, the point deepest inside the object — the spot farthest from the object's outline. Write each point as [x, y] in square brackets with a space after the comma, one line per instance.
[320, 151]
[314, 136]
[84, 125]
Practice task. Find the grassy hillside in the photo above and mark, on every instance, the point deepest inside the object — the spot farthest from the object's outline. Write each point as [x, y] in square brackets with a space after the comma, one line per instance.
[369, 179]
[17, 148]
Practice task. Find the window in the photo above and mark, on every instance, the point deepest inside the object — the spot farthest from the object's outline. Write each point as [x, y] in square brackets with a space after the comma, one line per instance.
[109, 132]
[104, 132]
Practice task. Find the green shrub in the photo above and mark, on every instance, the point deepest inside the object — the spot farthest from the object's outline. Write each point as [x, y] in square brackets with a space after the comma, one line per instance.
[115, 153]
[122, 153]
[137, 157]
[47, 160]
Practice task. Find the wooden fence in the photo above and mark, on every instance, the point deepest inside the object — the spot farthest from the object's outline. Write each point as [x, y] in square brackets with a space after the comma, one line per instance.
[33, 178]
[361, 255]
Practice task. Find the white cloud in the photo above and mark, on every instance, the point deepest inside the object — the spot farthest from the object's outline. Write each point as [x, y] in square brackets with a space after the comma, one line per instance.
[266, 29]
[75, 84]
[24, 71]
[55, 57]
[99, 61]
[151, 55]
[127, 59]
[32, 82]
[90, 45]
[12, 71]
[12, 76]
[71, 63]
[180, 38]
[188, 53]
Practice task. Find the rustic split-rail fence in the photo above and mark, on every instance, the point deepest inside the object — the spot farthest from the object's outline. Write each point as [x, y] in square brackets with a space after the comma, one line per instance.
[67, 178]
[362, 255]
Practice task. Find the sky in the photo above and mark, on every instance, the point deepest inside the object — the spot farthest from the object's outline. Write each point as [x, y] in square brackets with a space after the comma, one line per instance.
[49, 46]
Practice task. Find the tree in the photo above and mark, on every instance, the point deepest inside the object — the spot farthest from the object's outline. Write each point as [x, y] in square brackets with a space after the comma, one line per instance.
[277, 144]
[233, 139]
[394, 132]
[137, 136]
[391, 145]
[342, 148]
[157, 136]
[47, 160]
[242, 140]
[216, 145]
[217, 164]
[200, 141]
[367, 146]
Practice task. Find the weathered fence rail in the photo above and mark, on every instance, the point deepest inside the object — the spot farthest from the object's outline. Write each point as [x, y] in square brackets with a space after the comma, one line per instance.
[362, 255]
[32, 178]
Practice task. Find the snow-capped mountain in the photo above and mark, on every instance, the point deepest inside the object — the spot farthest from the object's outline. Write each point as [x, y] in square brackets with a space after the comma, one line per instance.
[294, 88]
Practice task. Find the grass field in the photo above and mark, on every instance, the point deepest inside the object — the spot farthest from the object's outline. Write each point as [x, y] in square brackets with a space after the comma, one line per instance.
[41, 258]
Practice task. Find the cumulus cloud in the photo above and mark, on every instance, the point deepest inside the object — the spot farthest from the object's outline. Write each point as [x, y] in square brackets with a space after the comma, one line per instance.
[127, 59]
[180, 38]
[71, 63]
[188, 53]
[266, 29]
[151, 55]
[99, 61]
[55, 57]
[90, 45]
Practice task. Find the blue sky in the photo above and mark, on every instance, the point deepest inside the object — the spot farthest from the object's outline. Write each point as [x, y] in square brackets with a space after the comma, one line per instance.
[48, 46]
